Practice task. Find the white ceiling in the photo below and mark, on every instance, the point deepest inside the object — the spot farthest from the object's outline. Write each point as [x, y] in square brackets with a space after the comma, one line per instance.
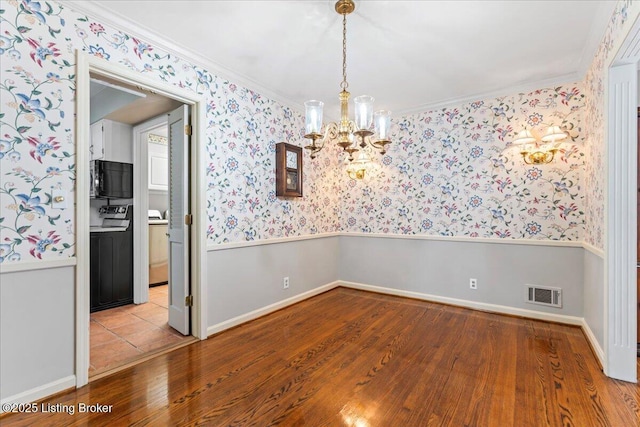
[409, 55]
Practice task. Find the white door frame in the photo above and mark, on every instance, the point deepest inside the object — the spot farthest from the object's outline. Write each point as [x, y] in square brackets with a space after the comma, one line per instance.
[621, 98]
[86, 64]
[140, 213]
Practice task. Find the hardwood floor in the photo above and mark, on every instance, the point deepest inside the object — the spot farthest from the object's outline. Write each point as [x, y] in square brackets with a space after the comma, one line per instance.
[351, 358]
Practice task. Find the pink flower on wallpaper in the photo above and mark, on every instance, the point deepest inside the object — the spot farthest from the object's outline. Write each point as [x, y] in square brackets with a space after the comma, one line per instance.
[96, 28]
[42, 53]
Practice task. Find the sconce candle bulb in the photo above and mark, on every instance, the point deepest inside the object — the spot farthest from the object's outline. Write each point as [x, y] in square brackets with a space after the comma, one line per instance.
[534, 153]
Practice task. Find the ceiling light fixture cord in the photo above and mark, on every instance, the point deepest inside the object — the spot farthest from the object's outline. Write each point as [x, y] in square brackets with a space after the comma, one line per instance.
[344, 85]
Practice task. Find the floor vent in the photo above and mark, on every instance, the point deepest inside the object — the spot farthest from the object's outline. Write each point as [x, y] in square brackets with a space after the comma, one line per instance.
[544, 295]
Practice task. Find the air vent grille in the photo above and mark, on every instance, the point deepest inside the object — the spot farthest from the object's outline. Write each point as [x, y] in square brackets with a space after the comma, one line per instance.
[544, 295]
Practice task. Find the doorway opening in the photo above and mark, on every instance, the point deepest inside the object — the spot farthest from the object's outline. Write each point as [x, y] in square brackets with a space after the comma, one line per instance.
[191, 237]
[126, 325]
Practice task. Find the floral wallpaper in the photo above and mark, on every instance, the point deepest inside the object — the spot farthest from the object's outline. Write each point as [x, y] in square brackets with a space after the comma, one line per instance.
[595, 143]
[449, 172]
[452, 172]
[37, 141]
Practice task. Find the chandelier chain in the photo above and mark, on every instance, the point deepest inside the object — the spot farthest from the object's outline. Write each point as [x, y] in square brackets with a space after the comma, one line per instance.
[344, 85]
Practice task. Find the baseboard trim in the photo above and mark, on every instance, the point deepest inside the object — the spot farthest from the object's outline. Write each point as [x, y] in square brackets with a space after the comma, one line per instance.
[593, 342]
[42, 391]
[227, 324]
[493, 308]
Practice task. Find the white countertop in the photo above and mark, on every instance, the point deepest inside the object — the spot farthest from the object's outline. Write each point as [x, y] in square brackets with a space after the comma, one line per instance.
[158, 221]
[100, 229]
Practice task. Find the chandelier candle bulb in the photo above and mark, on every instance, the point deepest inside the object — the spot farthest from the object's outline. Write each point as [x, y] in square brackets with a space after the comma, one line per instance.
[364, 111]
[383, 124]
[313, 116]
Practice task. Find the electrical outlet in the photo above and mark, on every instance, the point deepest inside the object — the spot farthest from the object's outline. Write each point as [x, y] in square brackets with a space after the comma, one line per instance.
[473, 283]
[285, 283]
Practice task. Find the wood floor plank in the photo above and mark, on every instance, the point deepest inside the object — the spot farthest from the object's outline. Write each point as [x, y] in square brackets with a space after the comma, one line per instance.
[349, 357]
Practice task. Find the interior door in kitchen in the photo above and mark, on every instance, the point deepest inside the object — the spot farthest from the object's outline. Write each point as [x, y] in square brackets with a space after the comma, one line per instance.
[179, 220]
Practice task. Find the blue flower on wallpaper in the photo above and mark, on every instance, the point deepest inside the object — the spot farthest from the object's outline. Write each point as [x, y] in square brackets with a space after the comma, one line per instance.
[34, 8]
[533, 228]
[99, 52]
[232, 106]
[534, 173]
[204, 79]
[232, 164]
[476, 152]
[42, 244]
[351, 221]
[386, 202]
[448, 141]
[29, 105]
[561, 187]
[42, 148]
[497, 214]
[427, 179]
[250, 180]
[30, 204]
[271, 197]
[141, 47]
[4, 251]
[534, 119]
[475, 201]
[286, 208]
[426, 224]
[428, 134]
[5, 43]
[499, 111]
[387, 160]
[232, 222]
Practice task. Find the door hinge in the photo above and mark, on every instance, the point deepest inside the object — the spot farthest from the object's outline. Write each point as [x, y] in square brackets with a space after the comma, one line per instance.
[188, 219]
[187, 130]
[188, 301]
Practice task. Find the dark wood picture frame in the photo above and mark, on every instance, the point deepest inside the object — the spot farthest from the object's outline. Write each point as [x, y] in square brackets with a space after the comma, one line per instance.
[288, 170]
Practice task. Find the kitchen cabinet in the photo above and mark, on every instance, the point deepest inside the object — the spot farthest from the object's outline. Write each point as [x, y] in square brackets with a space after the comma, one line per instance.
[111, 269]
[111, 141]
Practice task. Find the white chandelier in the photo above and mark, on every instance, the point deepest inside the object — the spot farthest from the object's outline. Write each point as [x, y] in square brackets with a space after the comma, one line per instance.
[348, 134]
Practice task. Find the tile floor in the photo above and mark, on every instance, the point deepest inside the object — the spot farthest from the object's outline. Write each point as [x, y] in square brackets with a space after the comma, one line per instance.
[121, 335]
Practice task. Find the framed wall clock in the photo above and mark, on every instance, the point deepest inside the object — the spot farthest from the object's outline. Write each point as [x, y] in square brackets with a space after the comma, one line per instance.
[288, 170]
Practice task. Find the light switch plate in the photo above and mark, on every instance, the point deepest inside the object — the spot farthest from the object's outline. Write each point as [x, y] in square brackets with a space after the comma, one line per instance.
[58, 198]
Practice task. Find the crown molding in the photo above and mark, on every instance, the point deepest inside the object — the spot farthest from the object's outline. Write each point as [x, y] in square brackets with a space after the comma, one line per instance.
[480, 96]
[132, 28]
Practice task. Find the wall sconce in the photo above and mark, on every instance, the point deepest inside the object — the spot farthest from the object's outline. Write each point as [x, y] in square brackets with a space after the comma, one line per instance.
[356, 169]
[535, 152]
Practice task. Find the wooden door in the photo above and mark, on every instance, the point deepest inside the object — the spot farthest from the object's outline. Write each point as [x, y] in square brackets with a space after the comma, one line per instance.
[179, 264]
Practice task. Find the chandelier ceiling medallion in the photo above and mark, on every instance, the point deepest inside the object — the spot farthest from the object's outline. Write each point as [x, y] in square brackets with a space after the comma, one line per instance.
[352, 136]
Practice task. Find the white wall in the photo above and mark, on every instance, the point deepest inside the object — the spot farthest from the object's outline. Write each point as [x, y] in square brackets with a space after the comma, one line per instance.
[245, 279]
[443, 268]
[36, 336]
[594, 295]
